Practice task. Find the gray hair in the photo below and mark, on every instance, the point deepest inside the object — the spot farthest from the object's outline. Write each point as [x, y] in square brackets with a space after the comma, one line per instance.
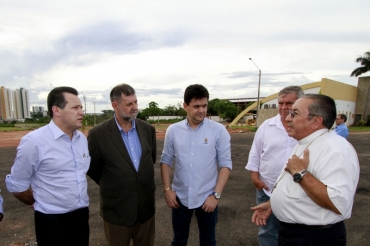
[322, 106]
[292, 89]
[118, 90]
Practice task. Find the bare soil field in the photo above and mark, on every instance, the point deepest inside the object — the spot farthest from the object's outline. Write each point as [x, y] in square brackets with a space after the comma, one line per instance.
[234, 224]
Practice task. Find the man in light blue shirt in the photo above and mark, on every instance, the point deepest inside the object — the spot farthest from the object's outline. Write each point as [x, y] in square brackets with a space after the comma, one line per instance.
[49, 173]
[201, 151]
[341, 128]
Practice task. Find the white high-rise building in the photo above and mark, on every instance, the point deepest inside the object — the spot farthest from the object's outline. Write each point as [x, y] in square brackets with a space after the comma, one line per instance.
[36, 109]
[21, 104]
[6, 112]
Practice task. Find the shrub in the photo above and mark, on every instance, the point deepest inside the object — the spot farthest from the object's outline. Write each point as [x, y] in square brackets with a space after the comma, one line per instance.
[361, 123]
[368, 121]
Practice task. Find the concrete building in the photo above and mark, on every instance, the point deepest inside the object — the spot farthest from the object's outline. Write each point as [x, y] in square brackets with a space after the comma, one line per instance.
[363, 99]
[6, 112]
[345, 96]
[21, 104]
[36, 109]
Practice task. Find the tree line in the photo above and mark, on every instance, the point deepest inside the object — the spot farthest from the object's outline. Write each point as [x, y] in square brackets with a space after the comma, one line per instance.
[225, 109]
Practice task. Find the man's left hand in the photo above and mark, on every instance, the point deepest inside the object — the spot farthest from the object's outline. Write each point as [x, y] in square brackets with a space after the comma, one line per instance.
[210, 204]
[296, 164]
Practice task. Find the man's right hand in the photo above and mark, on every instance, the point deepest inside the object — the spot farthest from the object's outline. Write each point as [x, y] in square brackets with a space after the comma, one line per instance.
[260, 185]
[261, 213]
[255, 176]
[257, 182]
[170, 197]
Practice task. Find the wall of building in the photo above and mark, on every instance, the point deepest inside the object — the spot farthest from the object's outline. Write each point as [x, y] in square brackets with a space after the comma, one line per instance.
[363, 99]
[344, 95]
[6, 103]
[21, 105]
[338, 90]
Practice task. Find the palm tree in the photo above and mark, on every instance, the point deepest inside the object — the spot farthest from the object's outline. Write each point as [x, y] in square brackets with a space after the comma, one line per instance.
[365, 62]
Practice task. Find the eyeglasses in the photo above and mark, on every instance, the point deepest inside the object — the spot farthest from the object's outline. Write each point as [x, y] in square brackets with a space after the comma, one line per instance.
[293, 113]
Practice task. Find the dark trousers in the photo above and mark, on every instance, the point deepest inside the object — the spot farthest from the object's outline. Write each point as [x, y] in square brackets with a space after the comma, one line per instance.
[181, 219]
[302, 235]
[63, 229]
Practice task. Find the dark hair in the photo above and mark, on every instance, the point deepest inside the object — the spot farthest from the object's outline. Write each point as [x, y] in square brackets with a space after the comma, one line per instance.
[343, 117]
[323, 106]
[195, 91]
[116, 92]
[290, 89]
[56, 98]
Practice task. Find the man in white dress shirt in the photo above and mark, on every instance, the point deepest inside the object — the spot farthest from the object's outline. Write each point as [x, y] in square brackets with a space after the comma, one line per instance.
[270, 149]
[315, 192]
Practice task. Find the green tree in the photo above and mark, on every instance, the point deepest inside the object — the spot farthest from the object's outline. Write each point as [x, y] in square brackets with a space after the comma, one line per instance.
[225, 109]
[365, 62]
[211, 106]
[180, 110]
[170, 110]
[152, 110]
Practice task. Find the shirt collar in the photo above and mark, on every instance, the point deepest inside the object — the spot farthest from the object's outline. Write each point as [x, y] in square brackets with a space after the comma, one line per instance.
[276, 121]
[133, 124]
[312, 136]
[199, 126]
[57, 132]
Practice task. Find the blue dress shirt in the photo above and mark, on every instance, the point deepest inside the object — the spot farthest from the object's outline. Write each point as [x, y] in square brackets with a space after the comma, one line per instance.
[132, 143]
[342, 130]
[55, 167]
[196, 153]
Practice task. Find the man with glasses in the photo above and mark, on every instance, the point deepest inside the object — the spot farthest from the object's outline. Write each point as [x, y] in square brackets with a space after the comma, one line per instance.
[270, 150]
[315, 191]
[341, 128]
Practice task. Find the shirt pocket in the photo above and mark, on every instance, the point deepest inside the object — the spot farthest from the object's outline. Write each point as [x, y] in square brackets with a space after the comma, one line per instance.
[294, 191]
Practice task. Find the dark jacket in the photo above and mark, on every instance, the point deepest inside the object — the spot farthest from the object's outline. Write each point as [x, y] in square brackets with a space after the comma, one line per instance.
[126, 195]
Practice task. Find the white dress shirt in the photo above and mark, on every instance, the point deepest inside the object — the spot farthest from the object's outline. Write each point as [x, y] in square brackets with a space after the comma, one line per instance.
[55, 167]
[270, 151]
[333, 161]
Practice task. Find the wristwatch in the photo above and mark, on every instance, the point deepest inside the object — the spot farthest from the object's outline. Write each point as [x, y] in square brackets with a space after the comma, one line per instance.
[217, 195]
[297, 177]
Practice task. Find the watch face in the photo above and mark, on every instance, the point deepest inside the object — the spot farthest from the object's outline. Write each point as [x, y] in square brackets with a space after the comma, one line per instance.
[297, 177]
[217, 195]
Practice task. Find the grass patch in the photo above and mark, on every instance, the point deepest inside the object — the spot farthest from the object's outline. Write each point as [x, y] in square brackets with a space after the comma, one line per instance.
[14, 129]
[249, 128]
[359, 129]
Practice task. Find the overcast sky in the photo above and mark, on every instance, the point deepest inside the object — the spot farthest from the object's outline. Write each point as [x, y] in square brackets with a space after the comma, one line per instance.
[160, 47]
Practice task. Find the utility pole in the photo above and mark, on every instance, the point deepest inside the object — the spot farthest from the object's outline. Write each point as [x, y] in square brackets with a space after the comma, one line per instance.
[94, 115]
[84, 97]
[258, 97]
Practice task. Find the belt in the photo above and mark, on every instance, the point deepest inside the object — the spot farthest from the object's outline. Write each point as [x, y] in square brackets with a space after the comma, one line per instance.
[308, 227]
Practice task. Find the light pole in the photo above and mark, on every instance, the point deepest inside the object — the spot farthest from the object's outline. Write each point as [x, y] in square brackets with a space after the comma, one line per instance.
[84, 97]
[258, 96]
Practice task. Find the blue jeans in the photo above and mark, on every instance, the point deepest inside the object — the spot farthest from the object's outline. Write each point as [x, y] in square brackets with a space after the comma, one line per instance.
[268, 234]
[181, 218]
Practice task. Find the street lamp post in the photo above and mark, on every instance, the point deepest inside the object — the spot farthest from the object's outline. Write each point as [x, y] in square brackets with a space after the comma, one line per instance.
[258, 96]
[84, 97]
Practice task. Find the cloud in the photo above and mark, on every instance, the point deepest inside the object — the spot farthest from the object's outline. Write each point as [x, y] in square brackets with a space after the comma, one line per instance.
[82, 47]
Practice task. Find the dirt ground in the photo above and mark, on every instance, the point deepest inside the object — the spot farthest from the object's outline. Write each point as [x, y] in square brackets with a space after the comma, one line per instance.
[234, 226]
